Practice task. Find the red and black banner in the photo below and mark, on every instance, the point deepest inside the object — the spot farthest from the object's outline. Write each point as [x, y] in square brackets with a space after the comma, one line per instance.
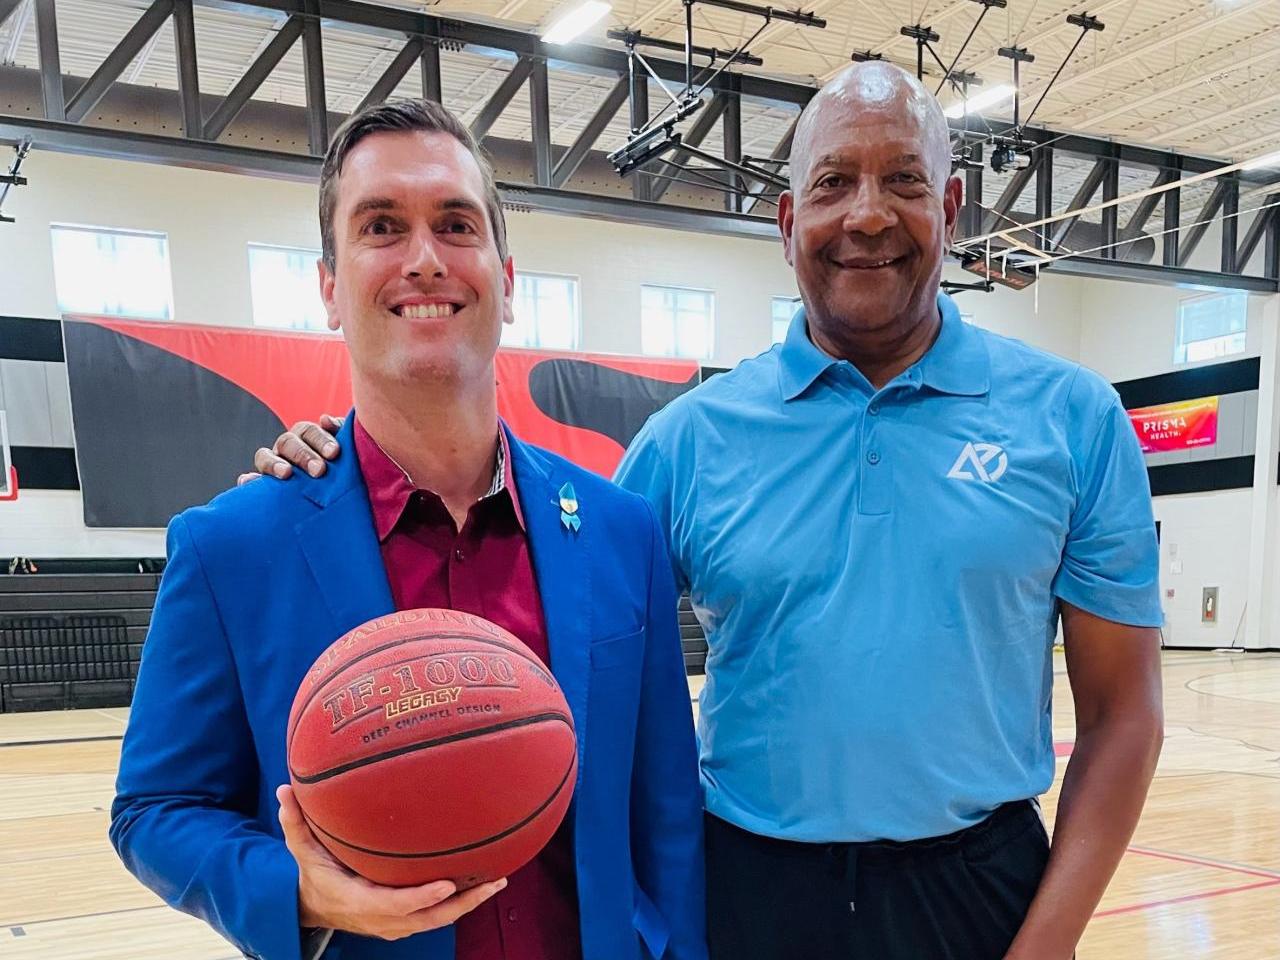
[166, 415]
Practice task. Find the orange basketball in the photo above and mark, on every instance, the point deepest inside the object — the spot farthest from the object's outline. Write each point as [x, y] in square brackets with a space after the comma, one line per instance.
[430, 745]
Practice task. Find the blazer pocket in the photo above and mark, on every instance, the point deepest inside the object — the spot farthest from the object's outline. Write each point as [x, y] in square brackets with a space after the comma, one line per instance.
[616, 651]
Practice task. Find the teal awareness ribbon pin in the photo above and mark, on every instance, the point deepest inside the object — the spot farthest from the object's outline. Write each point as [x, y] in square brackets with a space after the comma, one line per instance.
[569, 508]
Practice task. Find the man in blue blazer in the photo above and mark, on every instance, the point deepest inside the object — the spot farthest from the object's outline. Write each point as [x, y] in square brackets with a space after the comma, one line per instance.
[264, 578]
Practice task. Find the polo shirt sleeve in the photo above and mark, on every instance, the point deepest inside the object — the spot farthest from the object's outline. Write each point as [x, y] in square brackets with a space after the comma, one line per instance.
[644, 470]
[1110, 565]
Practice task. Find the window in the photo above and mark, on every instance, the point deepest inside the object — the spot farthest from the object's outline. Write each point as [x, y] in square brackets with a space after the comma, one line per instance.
[123, 273]
[286, 288]
[546, 313]
[675, 322]
[1211, 326]
[784, 308]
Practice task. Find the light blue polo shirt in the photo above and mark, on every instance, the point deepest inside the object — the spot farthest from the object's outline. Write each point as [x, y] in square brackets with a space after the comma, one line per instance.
[878, 574]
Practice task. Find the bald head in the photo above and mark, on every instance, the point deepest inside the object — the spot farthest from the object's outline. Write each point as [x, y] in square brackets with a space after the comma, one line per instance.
[866, 92]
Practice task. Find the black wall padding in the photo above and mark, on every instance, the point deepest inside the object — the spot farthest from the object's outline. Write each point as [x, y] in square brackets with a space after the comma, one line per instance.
[1201, 476]
[1237, 376]
[46, 468]
[28, 338]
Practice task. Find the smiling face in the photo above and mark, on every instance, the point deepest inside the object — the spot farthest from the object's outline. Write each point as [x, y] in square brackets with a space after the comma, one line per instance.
[872, 209]
[417, 286]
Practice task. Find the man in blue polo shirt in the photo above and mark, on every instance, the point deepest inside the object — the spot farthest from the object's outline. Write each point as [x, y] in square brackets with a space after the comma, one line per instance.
[880, 523]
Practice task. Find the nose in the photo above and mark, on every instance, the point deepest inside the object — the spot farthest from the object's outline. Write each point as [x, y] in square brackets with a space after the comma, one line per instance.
[870, 211]
[422, 257]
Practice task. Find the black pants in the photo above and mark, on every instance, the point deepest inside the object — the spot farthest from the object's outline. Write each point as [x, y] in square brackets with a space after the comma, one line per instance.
[958, 897]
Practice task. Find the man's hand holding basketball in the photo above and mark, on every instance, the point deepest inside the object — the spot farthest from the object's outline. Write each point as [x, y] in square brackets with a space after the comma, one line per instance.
[331, 896]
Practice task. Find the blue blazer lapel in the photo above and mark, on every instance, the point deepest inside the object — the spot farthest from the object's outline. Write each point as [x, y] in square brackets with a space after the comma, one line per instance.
[563, 571]
[340, 543]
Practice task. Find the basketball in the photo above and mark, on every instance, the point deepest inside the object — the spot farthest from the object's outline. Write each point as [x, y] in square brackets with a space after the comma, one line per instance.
[431, 745]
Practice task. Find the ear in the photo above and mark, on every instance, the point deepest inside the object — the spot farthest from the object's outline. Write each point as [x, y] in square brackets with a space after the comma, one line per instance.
[786, 222]
[508, 290]
[952, 200]
[326, 294]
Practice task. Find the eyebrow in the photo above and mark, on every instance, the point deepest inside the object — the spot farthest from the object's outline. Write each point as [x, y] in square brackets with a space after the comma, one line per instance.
[370, 204]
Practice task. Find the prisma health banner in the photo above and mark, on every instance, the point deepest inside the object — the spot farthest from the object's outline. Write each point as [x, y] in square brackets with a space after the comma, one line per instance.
[1176, 426]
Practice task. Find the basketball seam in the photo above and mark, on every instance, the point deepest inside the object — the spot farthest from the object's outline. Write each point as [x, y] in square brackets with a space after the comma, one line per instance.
[427, 744]
[465, 847]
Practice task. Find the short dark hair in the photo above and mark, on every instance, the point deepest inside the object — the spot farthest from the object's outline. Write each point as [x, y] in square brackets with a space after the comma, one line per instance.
[399, 116]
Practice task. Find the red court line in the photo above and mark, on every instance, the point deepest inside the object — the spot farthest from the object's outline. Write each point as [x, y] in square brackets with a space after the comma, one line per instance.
[1200, 862]
[1187, 899]
[1063, 748]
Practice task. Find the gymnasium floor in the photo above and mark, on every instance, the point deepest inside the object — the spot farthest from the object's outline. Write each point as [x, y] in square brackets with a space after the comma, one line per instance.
[1201, 880]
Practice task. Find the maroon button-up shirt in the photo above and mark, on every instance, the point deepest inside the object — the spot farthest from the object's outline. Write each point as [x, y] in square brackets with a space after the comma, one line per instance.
[485, 569]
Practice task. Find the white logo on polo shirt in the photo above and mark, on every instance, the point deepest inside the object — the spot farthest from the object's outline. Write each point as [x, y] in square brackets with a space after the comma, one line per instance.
[977, 457]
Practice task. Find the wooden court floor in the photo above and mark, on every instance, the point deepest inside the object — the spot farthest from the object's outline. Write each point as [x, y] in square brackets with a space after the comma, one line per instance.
[1202, 878]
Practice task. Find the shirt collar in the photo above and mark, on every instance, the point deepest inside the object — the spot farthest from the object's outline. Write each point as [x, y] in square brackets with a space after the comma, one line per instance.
[390, 487]
[801, 362]
[957, 363]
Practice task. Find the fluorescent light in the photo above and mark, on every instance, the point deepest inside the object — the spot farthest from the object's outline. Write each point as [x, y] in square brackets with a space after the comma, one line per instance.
[988, 98]
[576, 20]
[1270, 160]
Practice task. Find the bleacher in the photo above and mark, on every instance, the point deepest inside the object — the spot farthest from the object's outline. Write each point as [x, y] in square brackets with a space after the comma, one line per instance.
[692, 639]
[72, 640]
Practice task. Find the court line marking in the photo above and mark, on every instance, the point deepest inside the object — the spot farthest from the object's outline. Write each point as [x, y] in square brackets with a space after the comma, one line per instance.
[104, 913]
[47, 743]
[1189, 898]
[1245, 869]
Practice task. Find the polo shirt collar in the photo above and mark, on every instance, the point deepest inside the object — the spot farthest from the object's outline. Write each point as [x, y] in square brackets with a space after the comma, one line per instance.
[957, 363]
[801, 362]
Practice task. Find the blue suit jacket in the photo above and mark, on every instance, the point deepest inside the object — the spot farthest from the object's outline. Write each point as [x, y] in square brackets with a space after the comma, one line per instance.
[266, 576]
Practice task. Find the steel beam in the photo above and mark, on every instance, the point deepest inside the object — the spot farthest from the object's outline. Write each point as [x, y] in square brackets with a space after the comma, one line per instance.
[708, 117]
[8, 8]
[184, 43]
[1061, 231]
[1044, 195]
[624, 210]
[638, 83]
[1172, 225]
[1156, 274]
[490, 112]
[572, 158]
[258, 71]
[431, 87]
[1260, 228]
[972, 213]
[1111, 215]
[731, 127]
[1271, 256]
[1230, 225]
[51, 88]
[495, 40]
[540, 123]
[1196, 233]
[386, 84]
[96, 87]
[313, 75]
